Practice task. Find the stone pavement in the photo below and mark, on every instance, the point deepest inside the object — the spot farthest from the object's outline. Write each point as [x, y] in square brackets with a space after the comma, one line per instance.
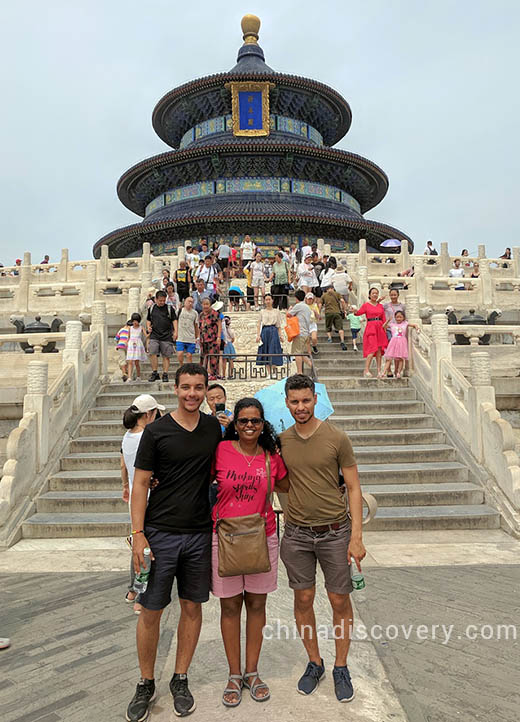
[461, 679]
[73, 647]
[73, 652]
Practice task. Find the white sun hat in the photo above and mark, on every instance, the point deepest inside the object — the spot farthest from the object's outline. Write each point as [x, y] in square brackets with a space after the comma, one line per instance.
[146, 402]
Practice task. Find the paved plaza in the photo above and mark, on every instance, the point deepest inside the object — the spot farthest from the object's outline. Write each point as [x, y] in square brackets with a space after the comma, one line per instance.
[73, 654]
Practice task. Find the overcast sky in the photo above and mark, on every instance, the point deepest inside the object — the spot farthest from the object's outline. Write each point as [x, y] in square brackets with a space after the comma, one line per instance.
[431, 86]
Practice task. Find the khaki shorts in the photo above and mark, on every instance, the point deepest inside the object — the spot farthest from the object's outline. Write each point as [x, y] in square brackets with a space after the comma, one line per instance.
[300, 345]
[335, 320]
[301, 548]
[163, 348]
[121, 352]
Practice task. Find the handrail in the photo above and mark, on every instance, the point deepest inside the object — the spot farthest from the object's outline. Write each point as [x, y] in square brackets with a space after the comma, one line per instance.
[246, 366]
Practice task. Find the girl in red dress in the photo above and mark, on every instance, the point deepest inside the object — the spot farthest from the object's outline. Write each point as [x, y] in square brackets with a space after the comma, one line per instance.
[374, 337]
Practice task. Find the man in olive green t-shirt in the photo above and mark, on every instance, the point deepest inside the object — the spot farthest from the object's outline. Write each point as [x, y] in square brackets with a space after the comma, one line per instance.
[335, 308]
[318, 528]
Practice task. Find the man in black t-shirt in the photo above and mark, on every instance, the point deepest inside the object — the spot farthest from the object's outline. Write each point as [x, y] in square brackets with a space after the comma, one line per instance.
[177, 449]
[161, 324]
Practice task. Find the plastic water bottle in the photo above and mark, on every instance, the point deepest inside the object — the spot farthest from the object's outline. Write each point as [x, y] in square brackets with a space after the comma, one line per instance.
[141, 579]
[358, 582]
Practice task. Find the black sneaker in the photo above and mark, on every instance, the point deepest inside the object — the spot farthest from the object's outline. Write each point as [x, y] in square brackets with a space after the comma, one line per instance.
[154, 376]
[315, 350]
[165, 377]
[124, 378]
[343, 684]
[343, 346]
[183, 702]
[308, 683]
[140, 707]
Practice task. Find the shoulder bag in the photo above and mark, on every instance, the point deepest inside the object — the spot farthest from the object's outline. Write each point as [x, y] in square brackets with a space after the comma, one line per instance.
[292, 328]
[242, 540]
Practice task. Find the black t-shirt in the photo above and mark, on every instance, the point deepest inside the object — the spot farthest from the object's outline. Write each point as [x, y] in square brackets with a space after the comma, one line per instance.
[162, 318]
[181, 462]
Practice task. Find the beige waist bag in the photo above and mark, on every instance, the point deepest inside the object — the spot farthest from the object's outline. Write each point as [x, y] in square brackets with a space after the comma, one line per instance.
[242, 540]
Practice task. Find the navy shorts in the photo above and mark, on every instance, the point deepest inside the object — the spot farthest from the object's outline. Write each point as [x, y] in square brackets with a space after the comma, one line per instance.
[185, 557]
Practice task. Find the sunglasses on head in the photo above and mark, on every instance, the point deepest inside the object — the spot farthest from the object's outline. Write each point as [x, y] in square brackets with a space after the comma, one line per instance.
[256, 421]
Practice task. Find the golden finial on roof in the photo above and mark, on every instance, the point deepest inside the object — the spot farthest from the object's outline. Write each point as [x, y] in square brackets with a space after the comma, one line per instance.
[250, 27]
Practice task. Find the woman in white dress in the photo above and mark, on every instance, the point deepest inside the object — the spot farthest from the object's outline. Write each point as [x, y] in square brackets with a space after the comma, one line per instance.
[143, 411]
[258, 279]
[135, 352]
[306, 276]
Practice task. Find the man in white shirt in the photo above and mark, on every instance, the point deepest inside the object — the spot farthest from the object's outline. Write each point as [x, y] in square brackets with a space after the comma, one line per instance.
[209, 274]
[247, 251]
[457, 272]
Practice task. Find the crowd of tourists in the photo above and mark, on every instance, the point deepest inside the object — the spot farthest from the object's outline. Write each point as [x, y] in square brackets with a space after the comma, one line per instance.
[199, 487]
[186, 322]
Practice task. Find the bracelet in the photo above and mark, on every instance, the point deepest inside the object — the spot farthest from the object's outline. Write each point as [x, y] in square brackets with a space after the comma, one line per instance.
[141, 531]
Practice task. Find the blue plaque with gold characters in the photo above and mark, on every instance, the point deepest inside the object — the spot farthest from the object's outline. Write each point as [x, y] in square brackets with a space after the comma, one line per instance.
[250, 108]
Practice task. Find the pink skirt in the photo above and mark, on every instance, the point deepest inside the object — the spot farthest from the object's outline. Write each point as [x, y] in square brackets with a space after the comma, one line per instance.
[397, 347]
[226, 587]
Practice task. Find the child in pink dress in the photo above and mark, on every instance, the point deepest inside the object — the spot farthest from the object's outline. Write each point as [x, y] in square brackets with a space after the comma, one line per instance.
[397, 349]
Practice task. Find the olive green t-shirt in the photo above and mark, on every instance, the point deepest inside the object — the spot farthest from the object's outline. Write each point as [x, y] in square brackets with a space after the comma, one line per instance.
[331, 303]
[314, 497]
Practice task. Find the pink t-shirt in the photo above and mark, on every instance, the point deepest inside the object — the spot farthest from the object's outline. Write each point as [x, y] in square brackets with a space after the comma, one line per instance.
[242, 489]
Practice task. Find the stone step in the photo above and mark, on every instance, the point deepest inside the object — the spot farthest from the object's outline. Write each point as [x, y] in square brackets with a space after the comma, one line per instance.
[348, 381]
[85, 502]
[451, 493]
[97, 444]
[339, 369]
[143, 387]
[404, 453]
[124, 399]
[385, 392]
[412, 473]
[386, 421]
[75, 525]
[401, 438]
[86, 480]
[91, 460]
[322, 334]
[328, 351]
[456, 516]
[102, 428]
[378, 407]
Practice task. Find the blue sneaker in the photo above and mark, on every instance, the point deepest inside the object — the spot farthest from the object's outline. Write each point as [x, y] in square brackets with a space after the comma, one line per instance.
[308, 683]
[343, 684]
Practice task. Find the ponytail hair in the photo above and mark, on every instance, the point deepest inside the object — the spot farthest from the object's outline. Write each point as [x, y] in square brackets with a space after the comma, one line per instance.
[130, 417]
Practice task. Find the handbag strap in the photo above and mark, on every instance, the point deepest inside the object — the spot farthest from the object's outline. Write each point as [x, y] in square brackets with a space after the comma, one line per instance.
[268, 472]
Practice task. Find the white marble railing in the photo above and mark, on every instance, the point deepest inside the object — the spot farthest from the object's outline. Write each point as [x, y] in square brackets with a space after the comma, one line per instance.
[468, 407]
[50, 414]
[42, 288]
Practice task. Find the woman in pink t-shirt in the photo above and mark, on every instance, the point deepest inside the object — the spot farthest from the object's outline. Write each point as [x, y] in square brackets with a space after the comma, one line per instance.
[240, 472]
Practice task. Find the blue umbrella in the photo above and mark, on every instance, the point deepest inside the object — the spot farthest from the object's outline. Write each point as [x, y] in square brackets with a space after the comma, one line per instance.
[391, 243]
[272, 399]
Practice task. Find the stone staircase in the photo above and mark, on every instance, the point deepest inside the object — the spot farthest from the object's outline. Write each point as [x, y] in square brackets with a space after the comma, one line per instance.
[84, 496]
[403, 456]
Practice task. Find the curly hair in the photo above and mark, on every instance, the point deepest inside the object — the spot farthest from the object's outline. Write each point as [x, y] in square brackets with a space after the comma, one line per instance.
[268, 439]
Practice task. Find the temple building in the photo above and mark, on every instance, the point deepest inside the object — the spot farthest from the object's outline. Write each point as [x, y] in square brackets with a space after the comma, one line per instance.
[252, 154]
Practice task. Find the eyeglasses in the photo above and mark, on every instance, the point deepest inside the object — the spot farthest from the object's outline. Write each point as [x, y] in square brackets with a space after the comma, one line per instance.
[256, 421]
